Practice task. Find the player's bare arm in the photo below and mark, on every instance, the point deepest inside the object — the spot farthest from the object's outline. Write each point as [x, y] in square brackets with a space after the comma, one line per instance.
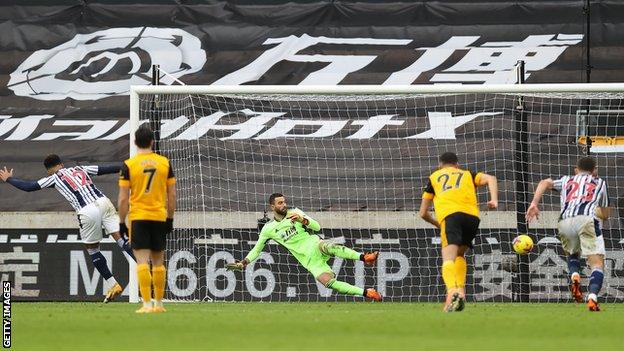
[171, 205]
[533, 210]
[423, 212]
[603, 213]
[492, 183]
[123, 206]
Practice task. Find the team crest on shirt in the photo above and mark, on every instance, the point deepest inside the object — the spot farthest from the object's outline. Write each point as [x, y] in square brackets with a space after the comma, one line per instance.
[288, 233]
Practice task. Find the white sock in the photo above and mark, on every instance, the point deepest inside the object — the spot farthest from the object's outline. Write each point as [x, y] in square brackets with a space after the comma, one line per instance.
[147, 304]
[592, 296]
[111, 281]
[158, 303]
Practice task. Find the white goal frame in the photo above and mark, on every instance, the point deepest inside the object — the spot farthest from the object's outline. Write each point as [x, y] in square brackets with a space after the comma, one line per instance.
[135, 91]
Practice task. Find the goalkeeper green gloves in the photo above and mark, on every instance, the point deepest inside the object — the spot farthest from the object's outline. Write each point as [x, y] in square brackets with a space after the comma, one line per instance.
[237, 266]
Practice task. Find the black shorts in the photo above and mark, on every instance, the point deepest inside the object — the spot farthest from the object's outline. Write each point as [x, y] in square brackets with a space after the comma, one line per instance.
[150, 235]
[459, 229]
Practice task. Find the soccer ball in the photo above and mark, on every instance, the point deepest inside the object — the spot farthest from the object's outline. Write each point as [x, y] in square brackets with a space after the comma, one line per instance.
[522, 244]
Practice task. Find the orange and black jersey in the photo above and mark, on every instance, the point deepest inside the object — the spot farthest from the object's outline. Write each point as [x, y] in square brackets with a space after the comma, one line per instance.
[453, 190]
[147, 176]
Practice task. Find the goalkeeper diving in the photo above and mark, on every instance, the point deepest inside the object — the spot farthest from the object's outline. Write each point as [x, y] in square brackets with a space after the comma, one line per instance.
[291, 228]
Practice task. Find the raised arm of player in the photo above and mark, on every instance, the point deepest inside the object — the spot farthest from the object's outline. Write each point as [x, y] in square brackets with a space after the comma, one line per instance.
[603, 211]
[307, 221]
[25, 185]
[483, 179]
[533, 210]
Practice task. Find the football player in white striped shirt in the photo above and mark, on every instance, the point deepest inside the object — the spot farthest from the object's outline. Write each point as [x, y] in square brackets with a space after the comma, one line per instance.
[95, 211]
[584, 205]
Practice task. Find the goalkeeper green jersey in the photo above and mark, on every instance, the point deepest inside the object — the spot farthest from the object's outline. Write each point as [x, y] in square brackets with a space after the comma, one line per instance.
[294, 236]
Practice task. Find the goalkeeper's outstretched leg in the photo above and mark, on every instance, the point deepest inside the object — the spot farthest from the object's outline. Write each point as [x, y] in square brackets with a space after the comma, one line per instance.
[325, 276]
[332, 249]
[328, 279]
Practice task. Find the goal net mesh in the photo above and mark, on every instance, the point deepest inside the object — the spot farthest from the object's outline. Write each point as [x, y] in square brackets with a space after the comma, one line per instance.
[358, 164]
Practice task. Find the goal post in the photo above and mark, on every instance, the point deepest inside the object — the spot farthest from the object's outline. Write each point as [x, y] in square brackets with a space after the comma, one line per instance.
[356, 158]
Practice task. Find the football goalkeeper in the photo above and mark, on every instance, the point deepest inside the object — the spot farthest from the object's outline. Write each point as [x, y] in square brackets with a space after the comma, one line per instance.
[290, 228]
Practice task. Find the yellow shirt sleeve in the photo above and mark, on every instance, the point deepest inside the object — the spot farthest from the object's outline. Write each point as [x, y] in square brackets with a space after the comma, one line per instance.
[477, 178]
[429, 193]
[124, 176]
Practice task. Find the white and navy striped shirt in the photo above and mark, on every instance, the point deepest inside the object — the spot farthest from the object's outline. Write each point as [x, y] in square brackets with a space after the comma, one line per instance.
[581, 194]
[74, 184]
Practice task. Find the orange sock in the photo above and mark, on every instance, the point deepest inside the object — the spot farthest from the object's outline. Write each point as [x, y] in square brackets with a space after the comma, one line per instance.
[460, 271]
[449, 276]
[145, 282]
[159, 274]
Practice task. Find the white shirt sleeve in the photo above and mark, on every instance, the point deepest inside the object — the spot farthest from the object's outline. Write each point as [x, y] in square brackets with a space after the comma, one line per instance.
[558, 183]
[603, 197]
[90, 169]
[47, 182]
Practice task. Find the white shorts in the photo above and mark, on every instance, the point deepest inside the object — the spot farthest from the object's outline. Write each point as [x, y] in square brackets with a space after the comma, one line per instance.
[578, 235]
[95, 216]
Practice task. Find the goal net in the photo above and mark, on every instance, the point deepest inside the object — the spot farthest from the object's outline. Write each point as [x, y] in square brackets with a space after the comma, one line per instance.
[357, 160]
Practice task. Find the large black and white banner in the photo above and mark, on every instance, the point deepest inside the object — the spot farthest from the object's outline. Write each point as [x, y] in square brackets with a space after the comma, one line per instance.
[53, 266]
[66, 68]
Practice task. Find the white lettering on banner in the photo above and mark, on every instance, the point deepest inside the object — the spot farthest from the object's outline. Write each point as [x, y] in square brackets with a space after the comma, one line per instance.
[212, 272]
[25, 239]
[383, 276]
[173, 274]
[78, 268]
[549, 276]
[74, 70]
[288, 47]
[490, 279]
[499, 58]
[614, 261]
[14, 264]
[282, 128]
[124, 131]
[251, 273]
[430, 59]
[98, 128]
[373, 125]
[24, 127]
[491, 63]
[442, 125]
[169, 127]
[246, 129]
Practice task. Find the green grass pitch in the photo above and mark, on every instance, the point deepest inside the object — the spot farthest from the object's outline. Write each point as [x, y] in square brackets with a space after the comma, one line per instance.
[316, 326]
